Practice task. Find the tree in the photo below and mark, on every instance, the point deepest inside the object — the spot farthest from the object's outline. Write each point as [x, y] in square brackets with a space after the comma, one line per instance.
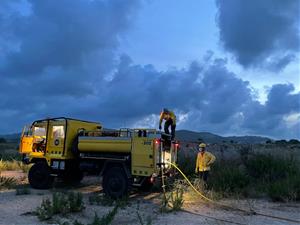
[2, 140]
[200, 140]
[281, 142]
[294, 141]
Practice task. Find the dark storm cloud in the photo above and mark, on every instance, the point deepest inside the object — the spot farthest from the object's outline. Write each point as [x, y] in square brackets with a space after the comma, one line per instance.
[60, 59]
[270, 118]
[212, 97]
[281, 101]
[54, 54]
[256, 31]
[63, 34]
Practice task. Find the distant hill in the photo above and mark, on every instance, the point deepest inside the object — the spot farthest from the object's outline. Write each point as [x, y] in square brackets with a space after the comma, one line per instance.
[186, 135]
[11, 137]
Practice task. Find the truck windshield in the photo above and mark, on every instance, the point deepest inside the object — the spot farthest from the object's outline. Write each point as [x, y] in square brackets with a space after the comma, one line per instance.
[39, 131]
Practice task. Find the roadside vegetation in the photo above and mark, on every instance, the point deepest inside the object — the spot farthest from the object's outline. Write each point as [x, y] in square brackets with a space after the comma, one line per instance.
[7, 182]
[251, 175]
[66, 203]
[13, 165]
[10, 160]
[61, 203]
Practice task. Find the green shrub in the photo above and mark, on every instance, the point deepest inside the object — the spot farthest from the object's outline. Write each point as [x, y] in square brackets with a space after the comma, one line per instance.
[228, 178]
[172, 201]
[45, 211]
[75, 201]
[106, 219]
[268, 168]
[285, 190]
[251, 175]
[187, 162]
[177, 199]
[62, 203]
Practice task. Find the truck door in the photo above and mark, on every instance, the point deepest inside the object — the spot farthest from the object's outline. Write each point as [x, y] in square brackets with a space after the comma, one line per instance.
[26, 140]
[56, 138]
[143, 152]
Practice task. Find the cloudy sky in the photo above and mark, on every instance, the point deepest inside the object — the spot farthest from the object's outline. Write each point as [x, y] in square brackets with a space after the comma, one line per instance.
[230, 67]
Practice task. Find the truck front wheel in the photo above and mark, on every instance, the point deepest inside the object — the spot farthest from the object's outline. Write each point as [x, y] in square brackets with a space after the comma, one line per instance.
[39, 176]
[115, 183]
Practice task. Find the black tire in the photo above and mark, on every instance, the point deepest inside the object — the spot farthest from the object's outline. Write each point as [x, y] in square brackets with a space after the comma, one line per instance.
[39, 176]
[115, 183]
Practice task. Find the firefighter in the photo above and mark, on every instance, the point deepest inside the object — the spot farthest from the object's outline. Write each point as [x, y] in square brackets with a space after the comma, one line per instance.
[204, 161]
[170, 120]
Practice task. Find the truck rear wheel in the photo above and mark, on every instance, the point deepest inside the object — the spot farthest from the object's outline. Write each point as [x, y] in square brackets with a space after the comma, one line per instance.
[39, 176]
[115, 183]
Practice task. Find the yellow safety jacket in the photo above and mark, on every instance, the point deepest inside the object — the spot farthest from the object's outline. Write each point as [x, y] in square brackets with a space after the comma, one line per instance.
[204, 161]
[166, 116]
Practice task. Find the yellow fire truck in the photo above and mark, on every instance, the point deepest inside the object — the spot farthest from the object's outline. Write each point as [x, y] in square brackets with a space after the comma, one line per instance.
[69, 148]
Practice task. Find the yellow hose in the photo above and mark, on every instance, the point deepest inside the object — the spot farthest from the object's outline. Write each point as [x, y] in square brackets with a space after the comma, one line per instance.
[189, 182]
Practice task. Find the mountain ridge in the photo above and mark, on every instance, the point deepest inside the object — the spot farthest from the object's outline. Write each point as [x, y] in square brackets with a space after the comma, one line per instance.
[190, 136]
[194, 136]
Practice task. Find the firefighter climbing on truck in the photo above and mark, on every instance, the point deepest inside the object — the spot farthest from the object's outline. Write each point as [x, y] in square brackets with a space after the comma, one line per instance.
[170, 121]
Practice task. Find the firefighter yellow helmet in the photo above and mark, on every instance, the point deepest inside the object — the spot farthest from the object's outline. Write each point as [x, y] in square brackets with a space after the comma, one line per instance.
[202, 145]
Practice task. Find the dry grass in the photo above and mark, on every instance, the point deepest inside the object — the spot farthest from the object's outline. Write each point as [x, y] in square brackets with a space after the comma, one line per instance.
[13, 165]
[7, 182]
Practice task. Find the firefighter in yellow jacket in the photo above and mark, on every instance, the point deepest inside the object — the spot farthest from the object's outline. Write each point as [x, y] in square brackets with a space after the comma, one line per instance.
[170, 120]
[204, 161]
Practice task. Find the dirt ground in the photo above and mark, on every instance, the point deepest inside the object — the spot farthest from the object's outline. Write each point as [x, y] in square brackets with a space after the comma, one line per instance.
[15, 209]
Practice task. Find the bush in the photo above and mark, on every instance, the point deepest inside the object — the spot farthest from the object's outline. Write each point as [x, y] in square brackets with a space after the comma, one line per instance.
[294, 141]
[45, 211]
[172, 201]
[228, 178]
[106, 219]
[75, 201]
[259, 174]
[177, 199]
[285, 190]
[187, 162]
[267, 168]
[281, 142]
[62, 203]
